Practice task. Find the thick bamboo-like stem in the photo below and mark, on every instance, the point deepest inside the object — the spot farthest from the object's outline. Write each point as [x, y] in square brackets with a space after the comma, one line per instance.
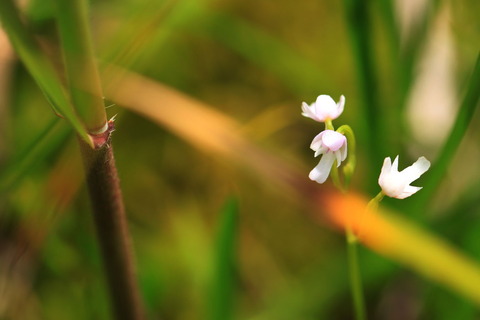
[112, 230]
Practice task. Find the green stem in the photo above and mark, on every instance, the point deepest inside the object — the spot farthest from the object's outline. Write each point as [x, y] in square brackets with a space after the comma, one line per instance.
[336, 178]
[355, 278]
[358, 21]
[373, 204]
[349, 167]
[82, 73]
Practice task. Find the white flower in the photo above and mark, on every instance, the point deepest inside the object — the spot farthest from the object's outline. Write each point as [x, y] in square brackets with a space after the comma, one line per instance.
[333, 146]
[397, 184]
[323, 109]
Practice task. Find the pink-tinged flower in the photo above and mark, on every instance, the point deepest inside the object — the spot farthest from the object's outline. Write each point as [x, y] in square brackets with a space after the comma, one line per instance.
[397, 184]
[332, 146]
[323, 109]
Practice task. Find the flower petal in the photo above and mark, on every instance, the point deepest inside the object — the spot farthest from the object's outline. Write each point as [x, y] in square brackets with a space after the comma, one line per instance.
[340, 105]
[395, 165]
[325, 107]
[322, 170]
[308, 111]
[317, 141]
[414, 172]
[333, 140]
[338, 157]
[386, 168]
[343, 150]
[407, 192]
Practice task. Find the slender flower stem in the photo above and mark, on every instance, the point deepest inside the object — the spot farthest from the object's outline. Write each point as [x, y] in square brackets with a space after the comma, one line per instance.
[112, 231]
[373, 204]
[355, 278]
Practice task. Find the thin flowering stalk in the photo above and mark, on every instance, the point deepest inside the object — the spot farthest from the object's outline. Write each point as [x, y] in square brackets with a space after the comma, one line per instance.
[333, 147]
[351, 161]
[355, 276]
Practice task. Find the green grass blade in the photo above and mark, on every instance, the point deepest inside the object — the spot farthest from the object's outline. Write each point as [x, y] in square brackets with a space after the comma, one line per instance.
[37, 150]
[300, 75]
[82, 73]
[360, 33]
[39, 66]
[440, 166]
[223, 287]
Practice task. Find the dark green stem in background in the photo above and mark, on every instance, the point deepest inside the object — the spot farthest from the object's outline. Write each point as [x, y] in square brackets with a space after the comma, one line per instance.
[440, 165]
[112, 231]
[360, 34]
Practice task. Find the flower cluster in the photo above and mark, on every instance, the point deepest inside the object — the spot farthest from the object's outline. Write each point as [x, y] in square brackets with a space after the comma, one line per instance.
[330, 144]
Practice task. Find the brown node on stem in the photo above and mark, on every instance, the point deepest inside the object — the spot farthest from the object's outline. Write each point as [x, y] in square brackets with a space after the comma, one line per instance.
[100, 139]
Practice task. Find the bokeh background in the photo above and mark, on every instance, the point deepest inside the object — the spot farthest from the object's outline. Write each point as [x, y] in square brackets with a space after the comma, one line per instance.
[404, 68]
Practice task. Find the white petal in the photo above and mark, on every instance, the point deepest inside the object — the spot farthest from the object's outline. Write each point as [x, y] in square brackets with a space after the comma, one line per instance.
[322, 170]
[325, 107]
[343, 150]
[386, 168]
[395, 165]
[340, 105]
[317, 141]
[407, 192]
[414, 172]
[333, 140]
[338, 157]
[308, 111]
[320, 151]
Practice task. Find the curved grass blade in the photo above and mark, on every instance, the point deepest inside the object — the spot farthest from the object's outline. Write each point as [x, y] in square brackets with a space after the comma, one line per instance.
[39, 66]
[439, 168]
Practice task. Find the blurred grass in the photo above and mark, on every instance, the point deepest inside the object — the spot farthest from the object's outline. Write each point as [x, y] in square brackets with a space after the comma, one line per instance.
[242, 58]
[39, 66]
[222, 291]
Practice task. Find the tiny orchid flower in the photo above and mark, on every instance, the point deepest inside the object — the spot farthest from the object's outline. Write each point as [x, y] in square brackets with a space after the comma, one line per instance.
[332, 146]
[397, 184]
[324, 108]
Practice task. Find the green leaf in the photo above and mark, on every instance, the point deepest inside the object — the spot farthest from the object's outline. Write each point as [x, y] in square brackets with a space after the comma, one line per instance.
[223, 286]
[440, 166]
[39, 66]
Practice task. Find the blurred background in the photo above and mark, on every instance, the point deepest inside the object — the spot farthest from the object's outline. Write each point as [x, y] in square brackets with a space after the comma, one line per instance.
[403, 67]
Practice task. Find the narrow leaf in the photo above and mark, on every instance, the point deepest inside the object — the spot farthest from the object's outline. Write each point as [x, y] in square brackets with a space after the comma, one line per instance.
[223, 285]
[39, 66]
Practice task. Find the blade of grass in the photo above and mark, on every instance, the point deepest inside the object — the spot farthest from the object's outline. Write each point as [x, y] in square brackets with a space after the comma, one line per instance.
[39, 149]
[358, 20]
[39, 66]
[439, 168]
[82, 74]
[300, 75]
[223, 286]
